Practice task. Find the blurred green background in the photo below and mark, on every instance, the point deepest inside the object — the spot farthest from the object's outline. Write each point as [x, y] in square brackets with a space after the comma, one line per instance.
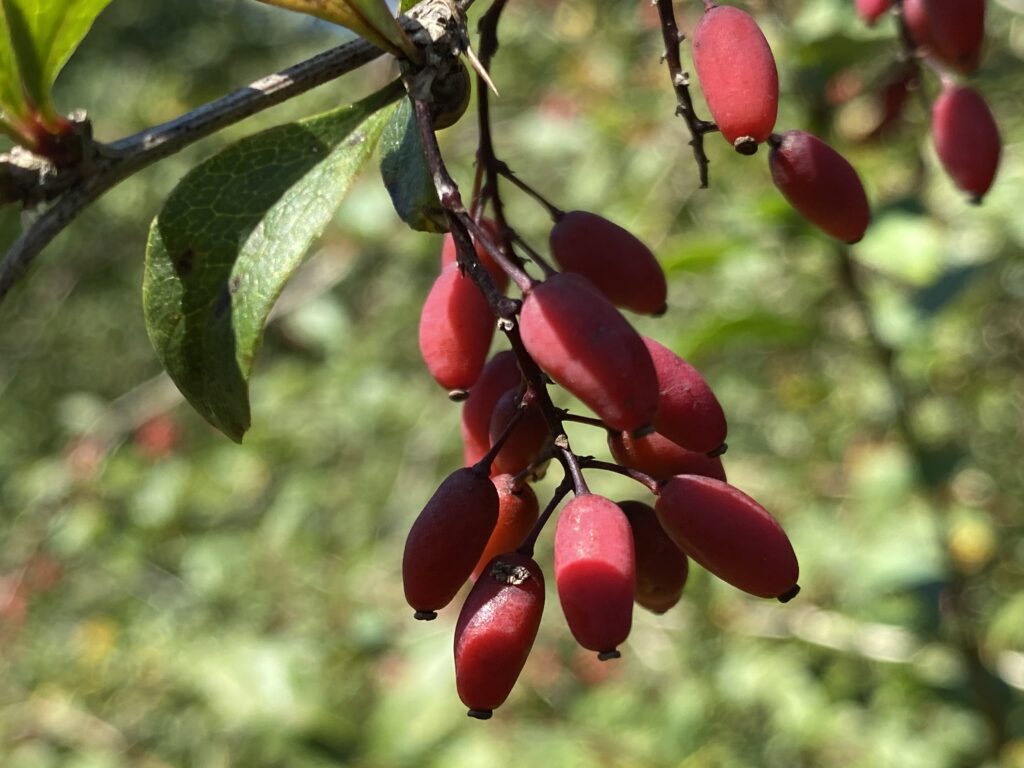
[168, 598]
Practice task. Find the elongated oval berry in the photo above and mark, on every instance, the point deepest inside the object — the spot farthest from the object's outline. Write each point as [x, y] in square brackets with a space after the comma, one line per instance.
[689, 414]
[659, 457]
[729, 534]
[528, 437]
[966, 139]
[661, 566]
[612, 258]
[872, 10]
[589, 348]
[449, 254]
[447, 539]
[595, 572]
[456, 328]
[915, 16]
[496, 630]
[737, 73]
[956, 31]
[500, 374]
[518, 511]
[820, 184]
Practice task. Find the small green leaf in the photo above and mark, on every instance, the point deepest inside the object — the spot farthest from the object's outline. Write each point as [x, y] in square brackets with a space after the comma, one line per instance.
[229, 237]
[371, 19]
[39, 37]
[12, 97]
[406, 176]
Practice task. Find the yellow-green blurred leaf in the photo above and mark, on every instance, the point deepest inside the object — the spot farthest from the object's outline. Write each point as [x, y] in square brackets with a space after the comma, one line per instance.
[368, 18]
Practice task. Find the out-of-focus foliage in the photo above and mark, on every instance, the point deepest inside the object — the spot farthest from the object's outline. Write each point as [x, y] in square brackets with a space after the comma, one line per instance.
[168, 598]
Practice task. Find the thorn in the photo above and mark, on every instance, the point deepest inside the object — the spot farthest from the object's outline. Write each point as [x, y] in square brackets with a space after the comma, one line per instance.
[479, 69]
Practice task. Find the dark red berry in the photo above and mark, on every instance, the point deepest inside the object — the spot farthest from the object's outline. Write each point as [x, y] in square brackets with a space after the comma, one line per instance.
[729, 534]
[661, 566]
[500, 374]
[689, 414]
[659, 457]
[528, 436]
[966, 139]
[612, 258]
[820, 184]
[588, 347]
[447, 539]
[956, 31]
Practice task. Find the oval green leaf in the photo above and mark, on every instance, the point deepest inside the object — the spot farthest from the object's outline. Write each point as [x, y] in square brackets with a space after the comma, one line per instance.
[370, 19]
[37, 40]
[229, 237]
[403, 166]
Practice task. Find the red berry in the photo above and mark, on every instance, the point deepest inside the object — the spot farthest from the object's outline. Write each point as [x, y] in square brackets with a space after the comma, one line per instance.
[158, 437]
[518, 511]
[737, 73]
[447, 539]
[528, 438]
[622, 267]
[689, 414]
[500, 374]
[496, 630]
[456, 328]
[820, 184]
[661, 566]
[956, 31]
[449, 253]
[729, 534]
[966, 139]
[595, 572]
[589, 348]
[915, 15]
[872, 10]
[659, 457]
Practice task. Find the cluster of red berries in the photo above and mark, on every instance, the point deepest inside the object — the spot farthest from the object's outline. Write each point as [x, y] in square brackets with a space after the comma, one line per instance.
[948, 35]
[737, 74]
[665, 428]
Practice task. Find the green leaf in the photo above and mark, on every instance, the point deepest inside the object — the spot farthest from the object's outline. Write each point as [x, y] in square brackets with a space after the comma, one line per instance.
[406, 176]
[229, 237]
[371, 19]
[40, 37]
[12, 98]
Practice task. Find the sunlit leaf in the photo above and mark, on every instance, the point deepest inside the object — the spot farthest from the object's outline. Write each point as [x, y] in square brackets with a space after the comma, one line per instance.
[230, 236]
[371, 19]
[38, 37]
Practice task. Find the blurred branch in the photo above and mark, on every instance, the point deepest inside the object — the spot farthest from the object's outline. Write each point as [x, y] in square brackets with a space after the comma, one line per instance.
[888, 643]
[71, 189]
[957, 621]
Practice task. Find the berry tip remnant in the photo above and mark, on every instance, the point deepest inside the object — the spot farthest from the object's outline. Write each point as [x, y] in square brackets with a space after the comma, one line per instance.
[785, 597]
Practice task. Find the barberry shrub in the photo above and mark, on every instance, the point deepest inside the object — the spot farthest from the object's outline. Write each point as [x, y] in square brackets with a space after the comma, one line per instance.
[212, 280]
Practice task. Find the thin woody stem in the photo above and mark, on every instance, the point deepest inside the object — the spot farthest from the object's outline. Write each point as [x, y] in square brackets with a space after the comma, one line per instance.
[113, 163]
[681, 85]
